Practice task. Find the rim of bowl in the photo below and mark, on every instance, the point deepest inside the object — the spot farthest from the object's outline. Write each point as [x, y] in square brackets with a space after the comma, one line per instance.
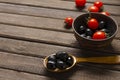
[96, 39]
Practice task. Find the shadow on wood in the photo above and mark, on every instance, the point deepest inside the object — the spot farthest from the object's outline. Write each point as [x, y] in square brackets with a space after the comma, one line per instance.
[62, 75]
[79, 70]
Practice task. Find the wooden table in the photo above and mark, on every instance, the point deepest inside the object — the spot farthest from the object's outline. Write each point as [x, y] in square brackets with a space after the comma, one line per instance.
[33, 29]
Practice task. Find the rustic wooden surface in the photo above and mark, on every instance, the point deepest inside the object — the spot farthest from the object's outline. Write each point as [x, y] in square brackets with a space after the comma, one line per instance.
[33, 29]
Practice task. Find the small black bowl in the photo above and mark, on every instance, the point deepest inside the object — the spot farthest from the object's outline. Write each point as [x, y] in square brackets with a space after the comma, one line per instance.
[112, 26]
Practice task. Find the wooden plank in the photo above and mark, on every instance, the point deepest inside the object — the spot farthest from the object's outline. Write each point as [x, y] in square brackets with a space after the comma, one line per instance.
[38, 34]
[51, 37]
[60, 5]
[35, 66]
[38, 12]
[34, 22]
[23, 67]
[21, 63]
[32, 48]
[108, 2]
[15, 75]
[42, 50]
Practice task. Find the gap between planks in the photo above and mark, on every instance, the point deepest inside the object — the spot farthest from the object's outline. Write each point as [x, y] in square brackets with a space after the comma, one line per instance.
[60, 5]
[106, 2]
[33, 11]
[8, 74]
[32, 65]
[34, 48]
[35, 35]
[39, 12]
[25, 11]
[35, 22]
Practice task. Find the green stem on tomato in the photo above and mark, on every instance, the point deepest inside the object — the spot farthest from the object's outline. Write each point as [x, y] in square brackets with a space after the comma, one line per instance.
[107, 35]
[89, 15]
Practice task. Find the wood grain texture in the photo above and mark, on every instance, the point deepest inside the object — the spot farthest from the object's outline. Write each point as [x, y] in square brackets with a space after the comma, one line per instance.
[15, 75]
[39, 22]
[44, 12]
[35, 66]
[21, 63]
[34, 22]
[45, 36]
[38, 34]
[41, 50]
[60, 5]
[108, 2]
[33, 29]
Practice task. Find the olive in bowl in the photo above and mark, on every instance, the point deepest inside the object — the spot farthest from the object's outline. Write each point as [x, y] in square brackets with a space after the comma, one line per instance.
[94, 30]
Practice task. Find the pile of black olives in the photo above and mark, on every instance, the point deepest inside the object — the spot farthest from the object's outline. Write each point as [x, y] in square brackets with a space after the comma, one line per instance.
[61, 60]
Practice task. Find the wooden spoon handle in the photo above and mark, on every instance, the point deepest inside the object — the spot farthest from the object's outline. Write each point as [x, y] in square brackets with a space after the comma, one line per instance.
[105, 60]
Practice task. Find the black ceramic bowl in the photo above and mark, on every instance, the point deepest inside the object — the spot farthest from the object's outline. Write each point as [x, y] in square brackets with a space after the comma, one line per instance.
[85, 42]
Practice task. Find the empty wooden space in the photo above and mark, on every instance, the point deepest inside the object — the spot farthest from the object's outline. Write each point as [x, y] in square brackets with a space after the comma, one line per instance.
[30, 30]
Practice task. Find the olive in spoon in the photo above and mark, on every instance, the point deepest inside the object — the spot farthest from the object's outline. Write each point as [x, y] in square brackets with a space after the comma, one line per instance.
[62, 61]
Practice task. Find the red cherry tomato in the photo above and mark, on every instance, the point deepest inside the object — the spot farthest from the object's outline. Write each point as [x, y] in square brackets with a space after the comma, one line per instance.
[99, 35]
[68, 21]
[105, 13]
[80, 3]
[93, 23]
[98, 4]
[93, 9]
